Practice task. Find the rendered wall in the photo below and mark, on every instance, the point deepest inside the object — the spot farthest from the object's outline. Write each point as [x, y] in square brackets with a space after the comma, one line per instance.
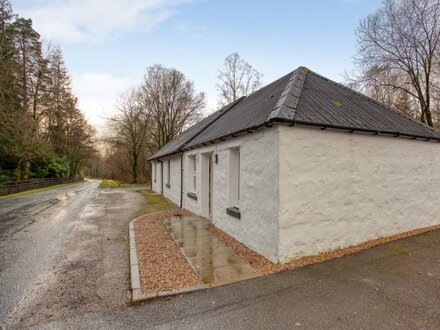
[156, 178]
[173, 191]
[188, 203]
[258, 226]
[339, 189]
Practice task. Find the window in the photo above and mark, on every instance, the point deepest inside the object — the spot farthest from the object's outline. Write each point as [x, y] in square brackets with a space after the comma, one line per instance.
[194, 160]
[168, 174]
[192, 173]
[155, 171]
[234, 177]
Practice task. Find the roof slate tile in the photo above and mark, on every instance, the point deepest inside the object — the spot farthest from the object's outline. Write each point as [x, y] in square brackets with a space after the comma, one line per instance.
[301, 97]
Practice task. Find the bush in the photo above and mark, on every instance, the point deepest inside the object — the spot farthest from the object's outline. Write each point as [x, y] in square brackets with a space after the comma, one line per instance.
[58, 167]
[50, 165]
[6, 175]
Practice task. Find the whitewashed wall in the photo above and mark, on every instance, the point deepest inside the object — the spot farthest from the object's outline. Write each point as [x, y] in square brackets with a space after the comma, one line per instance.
[258, 226]
[156, 182]
[173, 191]
[188, 203]
[339, 189]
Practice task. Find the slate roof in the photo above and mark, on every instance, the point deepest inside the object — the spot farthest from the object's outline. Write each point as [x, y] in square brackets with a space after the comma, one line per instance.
[176, 144]
[306, 98]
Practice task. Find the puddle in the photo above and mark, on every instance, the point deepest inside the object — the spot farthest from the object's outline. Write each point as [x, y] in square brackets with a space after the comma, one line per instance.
[214, 262]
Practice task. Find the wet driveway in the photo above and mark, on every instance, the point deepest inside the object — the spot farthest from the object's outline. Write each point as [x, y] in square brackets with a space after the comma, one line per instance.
[61, 250]
[214, 262]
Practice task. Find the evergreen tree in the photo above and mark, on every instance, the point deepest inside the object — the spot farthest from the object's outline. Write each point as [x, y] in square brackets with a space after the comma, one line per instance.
[41, 127]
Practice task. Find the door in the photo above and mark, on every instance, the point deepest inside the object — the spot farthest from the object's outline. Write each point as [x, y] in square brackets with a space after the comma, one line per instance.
[210, 186]
[207, 185]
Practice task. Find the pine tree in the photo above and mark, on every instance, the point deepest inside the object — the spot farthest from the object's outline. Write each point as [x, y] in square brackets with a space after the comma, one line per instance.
[39, 118]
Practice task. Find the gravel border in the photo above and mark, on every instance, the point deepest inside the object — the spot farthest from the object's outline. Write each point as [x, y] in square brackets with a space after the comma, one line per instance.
[266, 267]
[137, 295]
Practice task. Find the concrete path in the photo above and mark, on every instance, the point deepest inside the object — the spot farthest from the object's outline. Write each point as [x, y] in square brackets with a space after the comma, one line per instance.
[214, 262]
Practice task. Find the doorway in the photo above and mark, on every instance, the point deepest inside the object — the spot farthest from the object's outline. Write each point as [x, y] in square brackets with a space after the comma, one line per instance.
[207, 185]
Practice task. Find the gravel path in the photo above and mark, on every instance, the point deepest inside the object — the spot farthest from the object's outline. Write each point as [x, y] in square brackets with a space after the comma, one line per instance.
[161, 263]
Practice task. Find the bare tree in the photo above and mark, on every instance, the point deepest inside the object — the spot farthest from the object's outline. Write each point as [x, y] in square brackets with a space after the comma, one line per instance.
[129, 127]
[379, 86]
[399, 48]
[238, 78]
[171, 102]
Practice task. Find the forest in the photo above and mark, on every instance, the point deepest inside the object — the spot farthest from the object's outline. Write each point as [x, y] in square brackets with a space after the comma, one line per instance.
[43, 133]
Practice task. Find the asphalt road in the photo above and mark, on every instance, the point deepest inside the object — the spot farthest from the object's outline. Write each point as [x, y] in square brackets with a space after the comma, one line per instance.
[63, 252]
[64, 265]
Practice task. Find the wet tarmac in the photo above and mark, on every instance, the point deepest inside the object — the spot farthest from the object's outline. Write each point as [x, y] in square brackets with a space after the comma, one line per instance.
[214, 262]
[61, 250]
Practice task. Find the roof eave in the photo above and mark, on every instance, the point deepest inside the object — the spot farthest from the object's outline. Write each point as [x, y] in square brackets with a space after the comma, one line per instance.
[352, 129]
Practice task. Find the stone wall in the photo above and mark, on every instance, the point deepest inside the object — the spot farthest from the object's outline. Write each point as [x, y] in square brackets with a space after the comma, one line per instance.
[339, 189]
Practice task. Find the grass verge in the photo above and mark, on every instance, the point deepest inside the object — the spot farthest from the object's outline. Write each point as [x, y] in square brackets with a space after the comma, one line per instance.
[154, 203]
[27, 192]
[117, 184]
[110, 184]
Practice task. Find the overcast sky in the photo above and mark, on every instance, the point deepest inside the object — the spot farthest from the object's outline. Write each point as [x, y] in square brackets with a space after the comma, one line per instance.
[108, 44]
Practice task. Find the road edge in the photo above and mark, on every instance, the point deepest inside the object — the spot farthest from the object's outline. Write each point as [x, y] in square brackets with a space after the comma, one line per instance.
[137, 295]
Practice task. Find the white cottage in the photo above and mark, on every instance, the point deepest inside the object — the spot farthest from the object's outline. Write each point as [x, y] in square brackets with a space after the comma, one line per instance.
[302, 166]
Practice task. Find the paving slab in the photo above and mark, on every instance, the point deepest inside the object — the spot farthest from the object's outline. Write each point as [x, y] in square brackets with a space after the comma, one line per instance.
[214, 262]
[221, 260]
[228, 274]
[211, 250]
[194, 241]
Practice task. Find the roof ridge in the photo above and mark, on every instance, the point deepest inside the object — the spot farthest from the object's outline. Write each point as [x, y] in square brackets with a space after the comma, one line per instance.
[285, 108]
[375, 101]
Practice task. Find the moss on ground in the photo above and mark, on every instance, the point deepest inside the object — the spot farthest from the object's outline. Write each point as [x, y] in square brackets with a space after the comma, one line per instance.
[154, 203]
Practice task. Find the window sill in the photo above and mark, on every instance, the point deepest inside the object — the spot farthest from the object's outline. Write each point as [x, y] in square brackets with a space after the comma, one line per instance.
[234, 212]
[168, 185]
[192, 195]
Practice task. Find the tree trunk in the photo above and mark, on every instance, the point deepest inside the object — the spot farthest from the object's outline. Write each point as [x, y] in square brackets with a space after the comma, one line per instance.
[428, 116]
[134, 169]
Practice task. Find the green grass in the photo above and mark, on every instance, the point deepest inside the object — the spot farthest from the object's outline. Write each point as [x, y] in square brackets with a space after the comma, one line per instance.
[110, 184]
[154, 203]
[117, 184]
[27, 192]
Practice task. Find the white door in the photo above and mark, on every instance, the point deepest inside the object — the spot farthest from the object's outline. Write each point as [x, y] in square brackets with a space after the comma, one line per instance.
[206, 185]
